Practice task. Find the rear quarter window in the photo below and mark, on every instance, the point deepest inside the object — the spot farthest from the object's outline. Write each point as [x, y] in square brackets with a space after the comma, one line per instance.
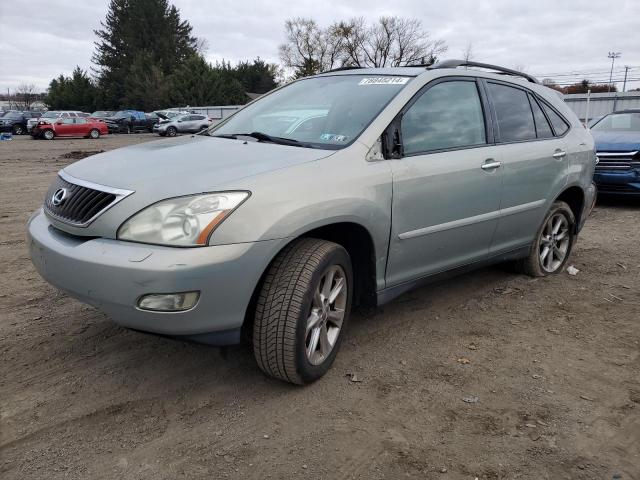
[560, 126]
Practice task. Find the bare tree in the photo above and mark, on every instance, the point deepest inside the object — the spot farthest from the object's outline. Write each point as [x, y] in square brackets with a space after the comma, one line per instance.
[389, 42]
[25, 95]
[309, 49]
[467, 53]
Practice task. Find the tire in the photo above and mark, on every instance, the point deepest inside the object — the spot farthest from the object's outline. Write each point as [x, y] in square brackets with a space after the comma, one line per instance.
[127, 130]
[48, 134]
[171, 131]
[292, 298]
[18, 129]
[537, 264]
[94, 134]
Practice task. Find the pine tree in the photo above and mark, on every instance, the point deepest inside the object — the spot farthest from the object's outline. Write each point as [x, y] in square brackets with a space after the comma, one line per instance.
[146, 38]
[76, 92]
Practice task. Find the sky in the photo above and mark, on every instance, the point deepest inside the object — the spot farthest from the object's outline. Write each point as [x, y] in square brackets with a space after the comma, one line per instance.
[40, 39]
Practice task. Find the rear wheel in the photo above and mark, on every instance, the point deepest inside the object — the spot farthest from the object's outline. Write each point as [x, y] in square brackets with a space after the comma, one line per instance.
[94, 133]
[302, 310]
[48, 134]
[172, 132]
[553, 244]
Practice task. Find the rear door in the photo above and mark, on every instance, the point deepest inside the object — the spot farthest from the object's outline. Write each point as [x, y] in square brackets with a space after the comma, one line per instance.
[447, 185]
[534, 160]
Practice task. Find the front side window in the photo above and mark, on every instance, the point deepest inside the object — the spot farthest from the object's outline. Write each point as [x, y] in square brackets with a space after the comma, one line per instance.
[447, 115]
[68, 121]
[515, 119]
[81, 120]
[341, 107]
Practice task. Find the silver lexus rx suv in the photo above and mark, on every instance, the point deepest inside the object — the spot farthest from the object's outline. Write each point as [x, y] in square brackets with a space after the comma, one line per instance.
[342, 189]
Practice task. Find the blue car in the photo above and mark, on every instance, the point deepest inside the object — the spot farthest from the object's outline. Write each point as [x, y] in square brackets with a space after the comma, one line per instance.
[617, 138]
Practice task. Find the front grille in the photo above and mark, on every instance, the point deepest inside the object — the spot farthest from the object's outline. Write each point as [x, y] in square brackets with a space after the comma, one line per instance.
[616, 160]
[80, 204]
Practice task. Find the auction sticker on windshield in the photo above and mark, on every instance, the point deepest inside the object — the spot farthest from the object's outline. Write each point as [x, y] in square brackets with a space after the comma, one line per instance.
[384, 81]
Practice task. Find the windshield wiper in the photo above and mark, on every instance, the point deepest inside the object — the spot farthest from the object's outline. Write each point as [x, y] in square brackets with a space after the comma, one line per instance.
[263, 137]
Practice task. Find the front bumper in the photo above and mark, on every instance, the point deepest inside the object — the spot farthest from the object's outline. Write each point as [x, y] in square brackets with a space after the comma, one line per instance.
[112, 275]
[625, 182]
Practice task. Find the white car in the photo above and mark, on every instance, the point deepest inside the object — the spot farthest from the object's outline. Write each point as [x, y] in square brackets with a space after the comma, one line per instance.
[188, 123]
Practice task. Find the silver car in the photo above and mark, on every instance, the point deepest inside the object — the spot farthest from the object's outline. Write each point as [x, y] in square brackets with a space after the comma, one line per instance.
[343, 189]
[189, 123]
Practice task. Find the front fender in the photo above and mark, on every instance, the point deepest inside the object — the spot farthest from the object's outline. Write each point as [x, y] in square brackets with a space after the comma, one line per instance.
[287, 203]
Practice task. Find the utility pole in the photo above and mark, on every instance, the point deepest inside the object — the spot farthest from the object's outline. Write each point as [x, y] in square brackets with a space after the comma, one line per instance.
[612, 56]
[624, 85]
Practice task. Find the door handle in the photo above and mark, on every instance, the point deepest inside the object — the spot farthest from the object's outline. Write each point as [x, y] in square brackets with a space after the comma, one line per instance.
[491, 164]
[559, 154]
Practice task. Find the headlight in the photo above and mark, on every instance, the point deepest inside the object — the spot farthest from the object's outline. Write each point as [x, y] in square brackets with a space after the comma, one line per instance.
[182, 221]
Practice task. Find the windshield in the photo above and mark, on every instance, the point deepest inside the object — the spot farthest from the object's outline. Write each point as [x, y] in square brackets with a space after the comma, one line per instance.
[101, 114]
[619, 122]
[323, 112]
[50, 115]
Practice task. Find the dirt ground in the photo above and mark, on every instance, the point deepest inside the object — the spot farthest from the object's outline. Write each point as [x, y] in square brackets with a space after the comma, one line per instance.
[554, 364]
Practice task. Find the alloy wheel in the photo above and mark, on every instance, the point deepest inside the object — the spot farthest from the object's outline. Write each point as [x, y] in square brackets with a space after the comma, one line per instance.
[554, 243]
[327, 315]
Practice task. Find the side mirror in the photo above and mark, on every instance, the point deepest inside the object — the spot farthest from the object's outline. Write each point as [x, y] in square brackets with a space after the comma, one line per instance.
[59, 122]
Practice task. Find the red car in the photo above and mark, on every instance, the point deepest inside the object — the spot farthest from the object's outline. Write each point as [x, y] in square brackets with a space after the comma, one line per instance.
[70, 127]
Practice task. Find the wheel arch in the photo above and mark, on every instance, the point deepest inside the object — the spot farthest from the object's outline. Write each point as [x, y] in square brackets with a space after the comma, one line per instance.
[356, 239]
[573, 196]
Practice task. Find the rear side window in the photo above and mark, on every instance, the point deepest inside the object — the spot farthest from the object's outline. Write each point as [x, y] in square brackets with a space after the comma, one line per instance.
[447, 115]
[560, 127]
[543, 128]
[81, 120]
[515, 119]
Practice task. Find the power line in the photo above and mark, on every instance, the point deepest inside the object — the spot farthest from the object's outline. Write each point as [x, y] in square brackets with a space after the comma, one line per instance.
[580, 72]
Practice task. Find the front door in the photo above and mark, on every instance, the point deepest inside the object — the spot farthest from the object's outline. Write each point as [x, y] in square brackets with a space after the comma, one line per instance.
[447, 185]
[65, 127]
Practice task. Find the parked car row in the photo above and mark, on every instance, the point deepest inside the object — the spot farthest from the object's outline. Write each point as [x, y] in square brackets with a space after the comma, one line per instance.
[16, 121]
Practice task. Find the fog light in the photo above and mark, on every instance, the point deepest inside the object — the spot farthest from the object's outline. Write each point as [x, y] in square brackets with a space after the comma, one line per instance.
[169, 302]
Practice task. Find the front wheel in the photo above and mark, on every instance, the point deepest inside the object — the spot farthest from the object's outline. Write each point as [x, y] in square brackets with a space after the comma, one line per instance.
[172, 132]
[302, 310]
[18, 129]
[553, 243]
[94, 133]
[48, 134]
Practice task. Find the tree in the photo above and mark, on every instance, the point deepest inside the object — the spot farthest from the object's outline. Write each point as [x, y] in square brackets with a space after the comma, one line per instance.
[76, 92]
[140, 37]
[389, 42]
[196, 82]
[309, 49]
[257, 76]
[25, 95]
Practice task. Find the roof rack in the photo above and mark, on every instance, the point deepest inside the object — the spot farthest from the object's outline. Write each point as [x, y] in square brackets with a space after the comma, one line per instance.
[340, 69]
[466, 63]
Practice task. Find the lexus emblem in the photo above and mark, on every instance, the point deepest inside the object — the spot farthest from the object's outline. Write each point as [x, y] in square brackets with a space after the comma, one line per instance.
[59, 197]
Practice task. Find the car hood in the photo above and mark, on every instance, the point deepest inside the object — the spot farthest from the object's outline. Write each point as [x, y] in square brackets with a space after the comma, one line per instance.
[186, 165]
[616, 141]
